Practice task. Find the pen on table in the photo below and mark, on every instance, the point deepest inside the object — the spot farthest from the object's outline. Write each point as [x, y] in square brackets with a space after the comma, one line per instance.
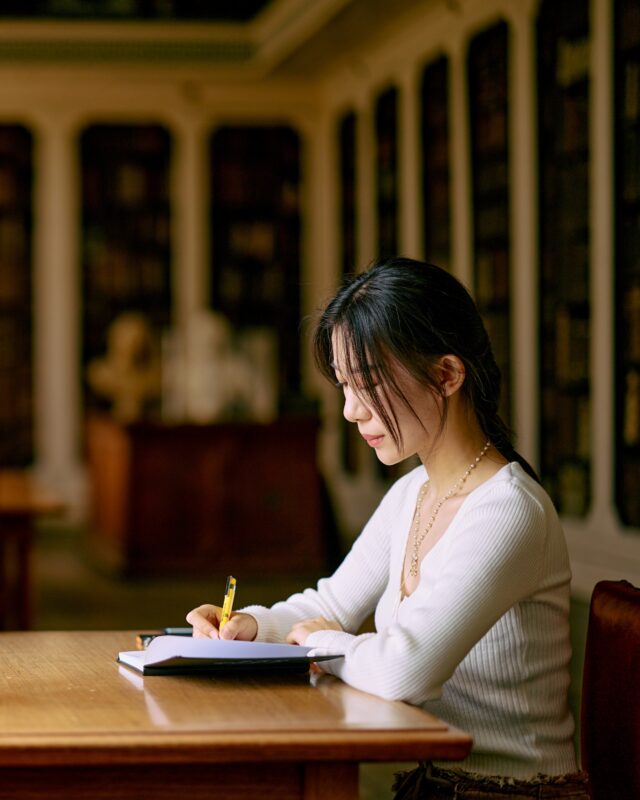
[228, 601]
[143, 640]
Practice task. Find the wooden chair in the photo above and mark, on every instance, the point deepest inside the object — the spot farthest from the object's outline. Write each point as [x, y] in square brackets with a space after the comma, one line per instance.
[610, 717]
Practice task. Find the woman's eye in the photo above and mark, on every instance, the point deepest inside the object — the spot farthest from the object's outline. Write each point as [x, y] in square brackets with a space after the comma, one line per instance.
[359, 387]
[362, 387]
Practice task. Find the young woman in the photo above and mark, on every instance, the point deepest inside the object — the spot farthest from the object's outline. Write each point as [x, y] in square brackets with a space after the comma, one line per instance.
[464, 561]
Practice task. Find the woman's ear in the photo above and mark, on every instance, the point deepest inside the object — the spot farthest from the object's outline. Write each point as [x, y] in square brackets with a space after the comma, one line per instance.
[452, 374]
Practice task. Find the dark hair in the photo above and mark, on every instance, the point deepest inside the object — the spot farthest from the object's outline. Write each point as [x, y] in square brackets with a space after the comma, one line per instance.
[412, 313]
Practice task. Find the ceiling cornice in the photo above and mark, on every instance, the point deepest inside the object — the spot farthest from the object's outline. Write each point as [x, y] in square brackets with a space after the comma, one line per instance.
[286, 26]
[260, 45]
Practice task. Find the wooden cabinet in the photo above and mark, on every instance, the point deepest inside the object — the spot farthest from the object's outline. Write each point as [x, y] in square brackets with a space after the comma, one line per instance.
[627, 259]
[126, 229]
[565, 279]
[488, 94]
[348, 192]
[348, 219]
[16, 297]
[386, 171]
[436, 170]
[256, 181]
[233, 497]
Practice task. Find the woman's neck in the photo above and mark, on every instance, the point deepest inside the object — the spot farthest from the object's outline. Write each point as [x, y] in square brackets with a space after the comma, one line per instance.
[454, 451]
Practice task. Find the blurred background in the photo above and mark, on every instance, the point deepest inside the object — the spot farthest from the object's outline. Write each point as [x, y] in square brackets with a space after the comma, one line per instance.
[183, 185]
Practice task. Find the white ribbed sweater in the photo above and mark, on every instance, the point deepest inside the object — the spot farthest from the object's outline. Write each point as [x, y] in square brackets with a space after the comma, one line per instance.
[482, 642]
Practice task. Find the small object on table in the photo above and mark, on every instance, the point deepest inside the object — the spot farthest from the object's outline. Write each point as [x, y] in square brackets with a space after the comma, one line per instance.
[143, 640]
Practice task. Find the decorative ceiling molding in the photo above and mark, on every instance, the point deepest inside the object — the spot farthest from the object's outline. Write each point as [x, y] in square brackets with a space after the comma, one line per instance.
[286, 26]
[282, 28]
[224, 52]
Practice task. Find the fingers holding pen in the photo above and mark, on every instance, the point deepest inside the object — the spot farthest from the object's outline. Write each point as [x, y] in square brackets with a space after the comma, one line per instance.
[213, 622]
[205, 620]
[208, 620]
[240, 626]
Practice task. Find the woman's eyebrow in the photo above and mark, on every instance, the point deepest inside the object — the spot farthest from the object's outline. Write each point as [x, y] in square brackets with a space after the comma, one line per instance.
[372, 368]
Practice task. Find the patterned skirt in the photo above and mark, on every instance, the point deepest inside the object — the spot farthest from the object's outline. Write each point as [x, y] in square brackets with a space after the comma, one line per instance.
[427, 782]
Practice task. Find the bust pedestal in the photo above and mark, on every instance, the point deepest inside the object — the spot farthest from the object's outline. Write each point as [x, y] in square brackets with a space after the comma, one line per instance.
[205, 499]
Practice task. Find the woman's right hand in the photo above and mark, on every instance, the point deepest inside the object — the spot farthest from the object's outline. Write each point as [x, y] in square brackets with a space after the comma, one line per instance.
[206, 624]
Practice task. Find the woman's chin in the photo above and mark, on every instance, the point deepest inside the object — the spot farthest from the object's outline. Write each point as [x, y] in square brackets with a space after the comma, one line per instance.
[389, 459]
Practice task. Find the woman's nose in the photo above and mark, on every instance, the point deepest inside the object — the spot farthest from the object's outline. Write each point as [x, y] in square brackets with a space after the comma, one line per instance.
[355, 409]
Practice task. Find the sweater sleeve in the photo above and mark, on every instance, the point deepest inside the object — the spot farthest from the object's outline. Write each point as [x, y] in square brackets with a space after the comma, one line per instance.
[353, 591]
[492, 559]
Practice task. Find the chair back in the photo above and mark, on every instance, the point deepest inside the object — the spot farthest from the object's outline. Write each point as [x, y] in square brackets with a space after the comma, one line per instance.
[610, 715]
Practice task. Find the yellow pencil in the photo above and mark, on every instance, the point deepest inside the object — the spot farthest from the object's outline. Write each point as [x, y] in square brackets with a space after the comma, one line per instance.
[228, 601]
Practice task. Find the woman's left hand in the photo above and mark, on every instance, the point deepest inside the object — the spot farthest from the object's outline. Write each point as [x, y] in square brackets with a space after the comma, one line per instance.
[298, 634]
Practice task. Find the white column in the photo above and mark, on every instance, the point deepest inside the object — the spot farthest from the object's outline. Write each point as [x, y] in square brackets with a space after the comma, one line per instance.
[410, 155]
[322, 266]
[462, 244]
[320, 211]
[57, 337]
[190, 220]
[318, 246]
[524, 240]
[601, 263]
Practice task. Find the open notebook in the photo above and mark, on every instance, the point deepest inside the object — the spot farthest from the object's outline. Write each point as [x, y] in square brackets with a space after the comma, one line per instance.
[172, 655]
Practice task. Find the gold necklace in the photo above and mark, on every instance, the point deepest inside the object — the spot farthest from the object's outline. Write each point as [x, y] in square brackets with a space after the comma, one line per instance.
[418, 537]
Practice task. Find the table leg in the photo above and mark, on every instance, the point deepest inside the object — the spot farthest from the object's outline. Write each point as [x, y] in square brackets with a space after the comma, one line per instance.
[15, 573]
[23, 587]
[335, 780]
[4, 589]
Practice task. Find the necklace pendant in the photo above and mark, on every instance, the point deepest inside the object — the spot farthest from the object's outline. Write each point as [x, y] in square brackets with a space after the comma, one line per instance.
[413, 566]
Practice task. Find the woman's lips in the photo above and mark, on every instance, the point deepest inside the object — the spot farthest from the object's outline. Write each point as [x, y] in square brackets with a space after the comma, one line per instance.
[373, 441]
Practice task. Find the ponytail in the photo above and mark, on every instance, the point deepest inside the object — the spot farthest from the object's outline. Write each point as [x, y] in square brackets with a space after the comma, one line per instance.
[482, 388]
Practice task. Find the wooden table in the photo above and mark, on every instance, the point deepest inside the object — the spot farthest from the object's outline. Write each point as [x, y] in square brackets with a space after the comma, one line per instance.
[21, 501]
[75, 724]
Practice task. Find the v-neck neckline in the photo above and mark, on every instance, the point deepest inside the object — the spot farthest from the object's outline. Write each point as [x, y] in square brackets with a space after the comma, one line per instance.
[403, 554]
